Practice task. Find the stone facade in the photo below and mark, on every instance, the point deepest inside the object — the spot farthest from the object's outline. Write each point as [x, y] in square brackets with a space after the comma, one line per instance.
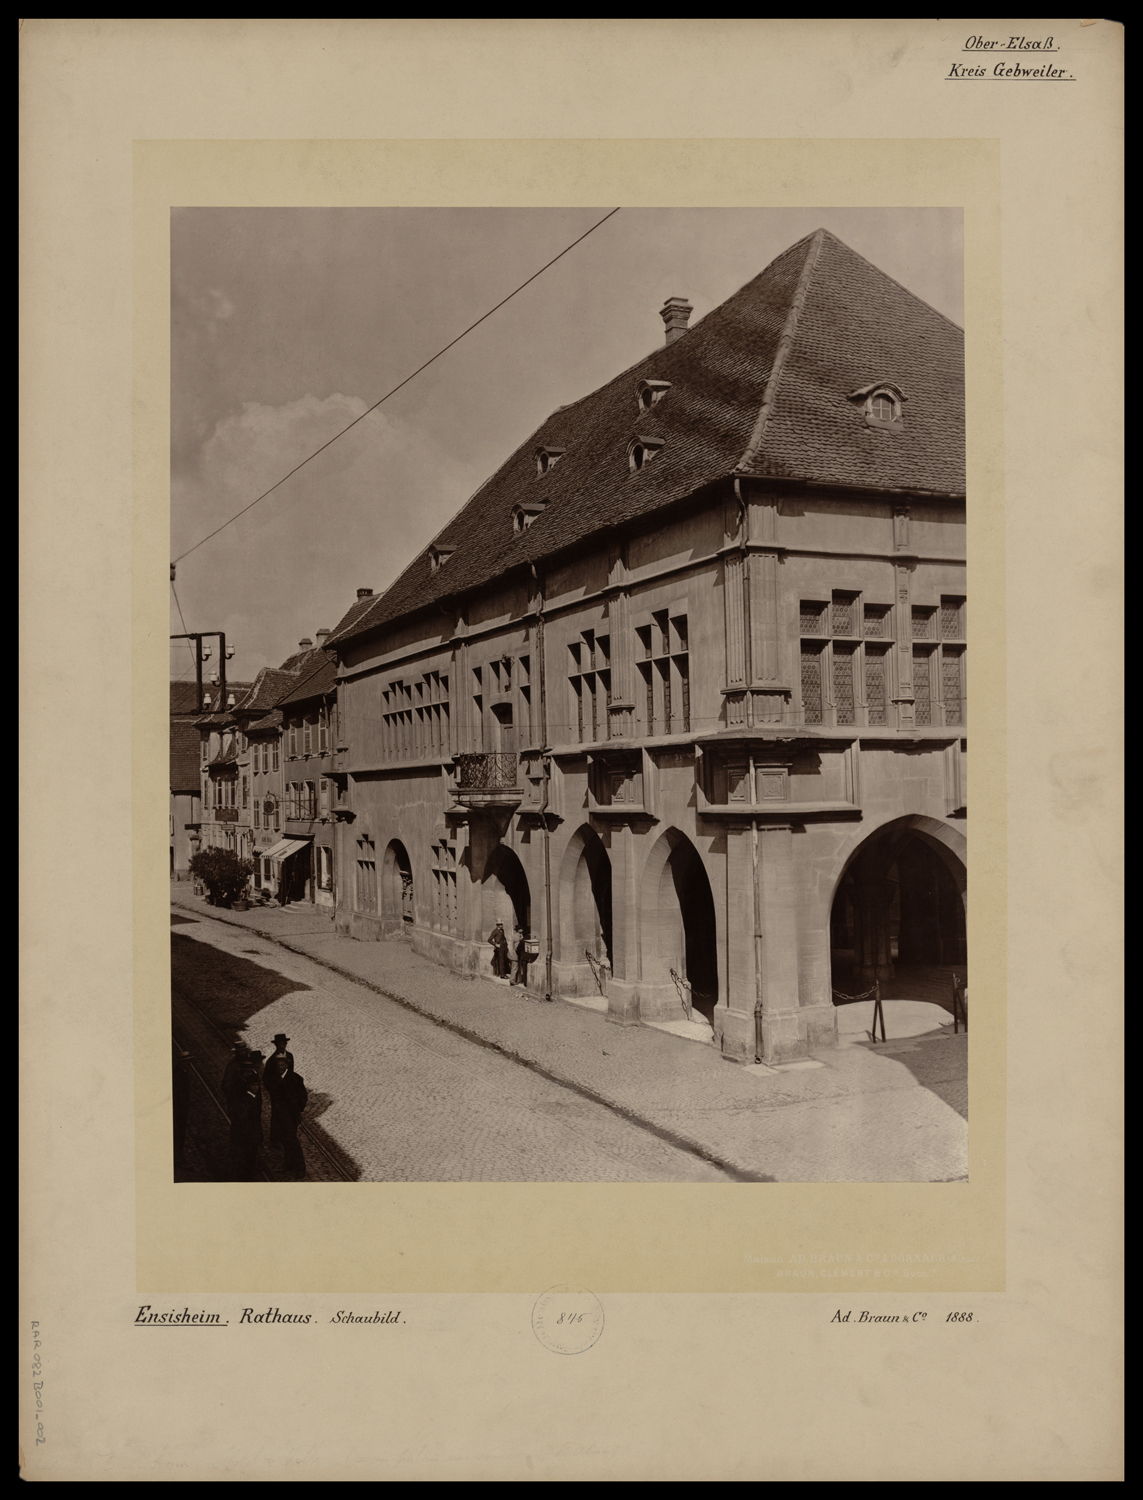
[706, 753]
[698, 794]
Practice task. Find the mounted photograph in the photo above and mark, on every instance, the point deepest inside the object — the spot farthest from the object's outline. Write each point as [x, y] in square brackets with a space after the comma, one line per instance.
[569, 695]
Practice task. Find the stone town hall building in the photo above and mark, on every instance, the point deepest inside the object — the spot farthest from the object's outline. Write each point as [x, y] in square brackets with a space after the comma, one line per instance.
[681, 691]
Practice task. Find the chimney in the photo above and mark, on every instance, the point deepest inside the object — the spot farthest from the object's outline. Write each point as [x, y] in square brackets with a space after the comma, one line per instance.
[365, 593]
[675, 313]
[305, 644]
[321, 637]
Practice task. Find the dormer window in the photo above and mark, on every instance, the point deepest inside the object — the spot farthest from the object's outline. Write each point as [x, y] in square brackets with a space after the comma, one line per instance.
[546, 457]
[524, 515]
[651, 392]
[882, 406]
[438, 556]
[641, 450]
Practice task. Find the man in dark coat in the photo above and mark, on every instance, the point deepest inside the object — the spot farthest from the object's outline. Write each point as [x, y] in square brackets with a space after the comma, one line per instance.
[501, 961]
[521, 942]
[271, 1079]
[288, 1098]
[246, 1125]
[232, 1077]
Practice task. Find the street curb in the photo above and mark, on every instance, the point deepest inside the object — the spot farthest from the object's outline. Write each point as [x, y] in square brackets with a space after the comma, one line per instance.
[671, 1137]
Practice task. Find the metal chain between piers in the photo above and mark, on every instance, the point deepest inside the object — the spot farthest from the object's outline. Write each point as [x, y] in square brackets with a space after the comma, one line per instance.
[687, 992]
[868, 994]
[600, 968]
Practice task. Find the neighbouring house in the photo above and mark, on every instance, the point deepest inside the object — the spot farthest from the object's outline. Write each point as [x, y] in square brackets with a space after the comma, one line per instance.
[222, 758]
[679, 696]
[304, 858]
[186, 787]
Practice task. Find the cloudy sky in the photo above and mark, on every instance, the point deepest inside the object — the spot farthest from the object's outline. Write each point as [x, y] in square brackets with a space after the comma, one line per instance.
[286, 324]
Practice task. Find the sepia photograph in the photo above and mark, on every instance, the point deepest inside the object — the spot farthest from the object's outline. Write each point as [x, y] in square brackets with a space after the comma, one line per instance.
[559, 436]
[568, 695]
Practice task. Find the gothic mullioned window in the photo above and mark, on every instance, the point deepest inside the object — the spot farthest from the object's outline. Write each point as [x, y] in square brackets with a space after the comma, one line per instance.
[444, 886]
[844, 666]
[663, 663]
[589, 680]
[415, 718]
[366, 874]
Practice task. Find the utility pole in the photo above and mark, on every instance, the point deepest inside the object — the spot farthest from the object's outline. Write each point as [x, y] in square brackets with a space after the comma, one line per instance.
[223, 656]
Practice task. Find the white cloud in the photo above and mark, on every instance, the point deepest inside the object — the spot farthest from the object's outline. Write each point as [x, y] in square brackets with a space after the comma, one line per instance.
[253, 448]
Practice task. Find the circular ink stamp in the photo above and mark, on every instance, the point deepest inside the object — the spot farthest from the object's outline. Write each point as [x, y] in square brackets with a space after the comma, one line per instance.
[567, 1319]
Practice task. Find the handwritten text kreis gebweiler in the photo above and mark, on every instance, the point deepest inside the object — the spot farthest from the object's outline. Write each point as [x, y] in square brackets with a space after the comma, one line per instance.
[1025, 44]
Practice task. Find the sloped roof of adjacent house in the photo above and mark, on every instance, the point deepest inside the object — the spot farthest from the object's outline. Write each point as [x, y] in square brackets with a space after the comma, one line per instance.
[185, 753]
[269, 686]
[763, 386]
[272, 720]
[316, 674]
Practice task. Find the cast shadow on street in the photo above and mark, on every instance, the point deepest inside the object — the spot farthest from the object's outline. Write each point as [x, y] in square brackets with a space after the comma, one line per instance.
[228, 993]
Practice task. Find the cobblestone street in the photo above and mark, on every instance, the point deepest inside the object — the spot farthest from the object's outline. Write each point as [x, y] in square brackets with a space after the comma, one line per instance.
[419, 1074]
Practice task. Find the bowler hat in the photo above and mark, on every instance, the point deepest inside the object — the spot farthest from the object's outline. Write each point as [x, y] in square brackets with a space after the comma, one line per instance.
[280, 1039]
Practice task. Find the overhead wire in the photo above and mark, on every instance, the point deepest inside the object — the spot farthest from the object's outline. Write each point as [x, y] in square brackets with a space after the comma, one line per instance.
[183, 623]
[452, 343]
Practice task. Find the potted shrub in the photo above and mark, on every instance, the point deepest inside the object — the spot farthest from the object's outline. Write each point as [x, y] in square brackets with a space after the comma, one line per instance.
[224, 875]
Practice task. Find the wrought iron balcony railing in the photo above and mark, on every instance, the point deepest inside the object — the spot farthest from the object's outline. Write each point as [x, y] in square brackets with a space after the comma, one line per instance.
[486, 773]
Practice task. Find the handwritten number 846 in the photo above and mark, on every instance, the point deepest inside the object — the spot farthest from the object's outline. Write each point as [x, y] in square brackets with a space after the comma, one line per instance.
[570, 1318]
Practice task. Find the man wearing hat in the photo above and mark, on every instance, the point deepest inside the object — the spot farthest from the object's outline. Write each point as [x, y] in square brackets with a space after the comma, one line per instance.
[501, 961]
[288, 1098]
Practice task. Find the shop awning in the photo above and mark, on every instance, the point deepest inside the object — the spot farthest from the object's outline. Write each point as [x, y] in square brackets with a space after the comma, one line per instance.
[283, 849]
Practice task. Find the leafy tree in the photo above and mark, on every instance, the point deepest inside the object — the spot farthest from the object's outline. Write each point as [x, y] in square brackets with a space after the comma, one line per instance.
[223, 873]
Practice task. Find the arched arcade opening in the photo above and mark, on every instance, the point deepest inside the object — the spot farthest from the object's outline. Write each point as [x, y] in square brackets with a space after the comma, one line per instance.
[678, 927]
[898, 916]
[397, 891]
[507, 898]
[585, 899]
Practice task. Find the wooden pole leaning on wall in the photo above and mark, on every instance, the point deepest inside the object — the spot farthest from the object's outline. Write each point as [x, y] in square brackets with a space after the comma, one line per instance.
[878, 1013]
[960, 1009]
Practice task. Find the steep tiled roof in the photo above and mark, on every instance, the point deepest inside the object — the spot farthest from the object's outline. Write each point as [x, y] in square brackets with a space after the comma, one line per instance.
[760, 386]
[184, 698]
[268, 688]
[856, 327]
[316, 674]
[185, 756]
[272, 720]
